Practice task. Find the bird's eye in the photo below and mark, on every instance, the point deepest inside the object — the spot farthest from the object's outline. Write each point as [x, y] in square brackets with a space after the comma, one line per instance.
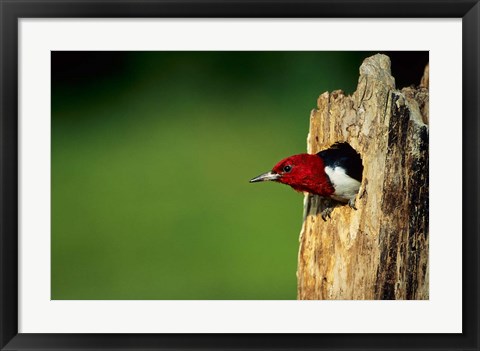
[287, 168]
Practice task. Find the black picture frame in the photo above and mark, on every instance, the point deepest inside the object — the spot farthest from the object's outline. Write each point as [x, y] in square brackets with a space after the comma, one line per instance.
[11, 11]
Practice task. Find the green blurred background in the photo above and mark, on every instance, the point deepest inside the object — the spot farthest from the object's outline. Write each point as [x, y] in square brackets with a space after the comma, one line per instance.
[151, 157]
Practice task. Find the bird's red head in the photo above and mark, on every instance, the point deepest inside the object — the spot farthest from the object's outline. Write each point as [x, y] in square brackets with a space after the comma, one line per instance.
[303, 172]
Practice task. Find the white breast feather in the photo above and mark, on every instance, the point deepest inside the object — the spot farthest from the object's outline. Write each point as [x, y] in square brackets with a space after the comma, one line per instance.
[345, 187]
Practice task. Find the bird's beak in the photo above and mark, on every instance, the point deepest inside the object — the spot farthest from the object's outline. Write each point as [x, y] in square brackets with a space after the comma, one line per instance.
[265, 176]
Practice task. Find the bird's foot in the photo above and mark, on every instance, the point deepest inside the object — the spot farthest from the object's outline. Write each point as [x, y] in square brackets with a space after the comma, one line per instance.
[326, 213]
[351, 203]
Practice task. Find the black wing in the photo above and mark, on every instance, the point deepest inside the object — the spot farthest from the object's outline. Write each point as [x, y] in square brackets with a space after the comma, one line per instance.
[343, 155]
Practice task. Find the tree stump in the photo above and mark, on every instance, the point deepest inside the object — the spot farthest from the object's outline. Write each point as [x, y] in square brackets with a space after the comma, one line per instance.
[380, 250]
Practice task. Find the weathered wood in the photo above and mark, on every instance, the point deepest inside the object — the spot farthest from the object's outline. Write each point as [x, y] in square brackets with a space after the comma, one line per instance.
[380, 250]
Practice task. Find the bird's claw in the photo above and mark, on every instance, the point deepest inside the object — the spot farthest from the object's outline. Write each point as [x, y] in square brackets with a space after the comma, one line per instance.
[351, 203]
[326, 213]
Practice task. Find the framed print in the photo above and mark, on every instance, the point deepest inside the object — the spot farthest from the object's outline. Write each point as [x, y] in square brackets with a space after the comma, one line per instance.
[132, 134]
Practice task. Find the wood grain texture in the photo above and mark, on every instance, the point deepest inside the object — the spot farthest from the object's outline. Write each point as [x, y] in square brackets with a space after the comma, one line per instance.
[380, 250]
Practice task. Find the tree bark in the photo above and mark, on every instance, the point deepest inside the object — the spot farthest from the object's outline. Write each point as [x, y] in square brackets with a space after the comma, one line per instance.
[380, 250]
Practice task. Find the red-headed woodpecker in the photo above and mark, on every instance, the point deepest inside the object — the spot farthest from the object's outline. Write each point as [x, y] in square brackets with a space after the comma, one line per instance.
[334, 173]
